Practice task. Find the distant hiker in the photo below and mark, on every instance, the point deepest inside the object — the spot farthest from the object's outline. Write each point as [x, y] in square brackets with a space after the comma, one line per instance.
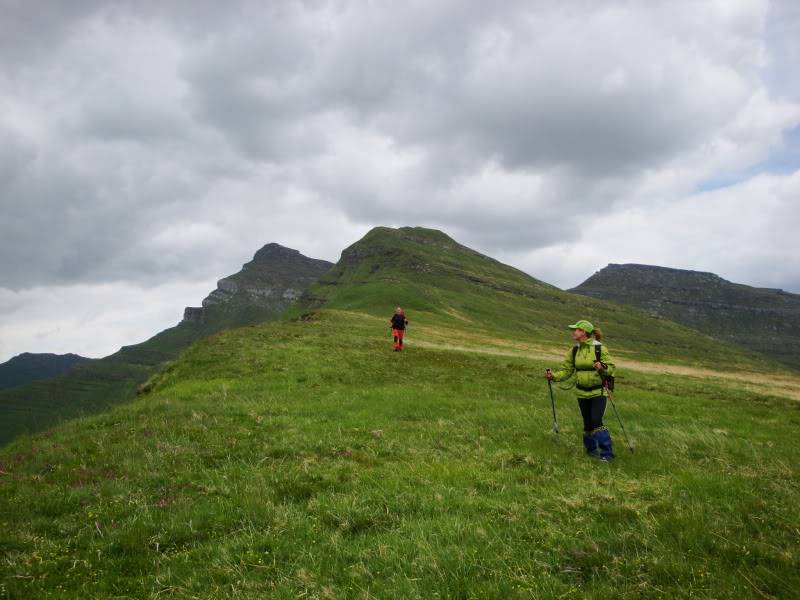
[591, 363]
[398, 323]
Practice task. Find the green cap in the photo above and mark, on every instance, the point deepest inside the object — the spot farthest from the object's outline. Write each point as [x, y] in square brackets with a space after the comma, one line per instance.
[583, 324]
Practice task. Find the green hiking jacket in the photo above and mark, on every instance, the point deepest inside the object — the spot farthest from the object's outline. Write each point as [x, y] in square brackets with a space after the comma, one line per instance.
[588, 382]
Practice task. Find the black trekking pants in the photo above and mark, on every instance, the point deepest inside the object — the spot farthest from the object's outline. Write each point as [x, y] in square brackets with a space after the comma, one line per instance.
[592, 410]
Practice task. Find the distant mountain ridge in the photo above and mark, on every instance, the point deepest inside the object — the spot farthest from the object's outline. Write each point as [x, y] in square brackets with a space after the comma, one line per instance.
[762, 319]
[29, 367]
[262, 290]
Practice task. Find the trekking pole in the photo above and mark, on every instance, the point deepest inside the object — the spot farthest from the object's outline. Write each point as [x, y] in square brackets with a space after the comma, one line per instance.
[609, 389]
[553, 404]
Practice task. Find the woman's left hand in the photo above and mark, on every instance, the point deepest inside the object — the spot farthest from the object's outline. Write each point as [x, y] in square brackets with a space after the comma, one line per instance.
[598, 365]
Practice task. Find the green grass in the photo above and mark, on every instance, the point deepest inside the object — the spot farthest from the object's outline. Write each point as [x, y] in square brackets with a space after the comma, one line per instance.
[100, 384]
[305, 459]
[446, 284]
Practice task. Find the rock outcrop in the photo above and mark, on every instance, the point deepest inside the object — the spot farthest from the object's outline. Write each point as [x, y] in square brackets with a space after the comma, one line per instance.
[276, 277]
[193, 314]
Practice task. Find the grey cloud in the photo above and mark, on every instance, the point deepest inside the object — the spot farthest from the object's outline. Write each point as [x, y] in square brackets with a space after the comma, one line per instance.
[65, 227]
[15, 157]
[29, 30]
[498, 122]
[120, 119]
[783, 43]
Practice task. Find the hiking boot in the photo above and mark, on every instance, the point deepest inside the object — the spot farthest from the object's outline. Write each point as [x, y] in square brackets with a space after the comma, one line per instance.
[590, 444]
[603, 439]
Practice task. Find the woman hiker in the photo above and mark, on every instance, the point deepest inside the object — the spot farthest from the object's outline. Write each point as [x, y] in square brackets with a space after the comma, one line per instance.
[398, 323]
[591, 363]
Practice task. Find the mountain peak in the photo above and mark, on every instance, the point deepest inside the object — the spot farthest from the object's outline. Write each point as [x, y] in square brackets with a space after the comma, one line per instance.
[274, 251]
[388, 242]
[413, 266]
[275, 277]
[665, 273]
[418, 234]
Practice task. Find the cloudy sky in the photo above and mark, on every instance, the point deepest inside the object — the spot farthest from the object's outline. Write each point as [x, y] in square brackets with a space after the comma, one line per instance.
[148, 148]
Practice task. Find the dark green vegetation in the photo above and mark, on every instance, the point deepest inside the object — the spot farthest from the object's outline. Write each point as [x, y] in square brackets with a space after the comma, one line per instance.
[27, 367]
[261, 291]
[303, 458]
[764, 320]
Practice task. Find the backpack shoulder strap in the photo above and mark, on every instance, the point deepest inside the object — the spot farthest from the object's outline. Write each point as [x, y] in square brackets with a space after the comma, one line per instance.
[597, 350]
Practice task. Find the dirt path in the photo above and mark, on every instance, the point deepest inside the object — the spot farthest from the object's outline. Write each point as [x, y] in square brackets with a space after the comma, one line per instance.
[442, 338]
[779, 385]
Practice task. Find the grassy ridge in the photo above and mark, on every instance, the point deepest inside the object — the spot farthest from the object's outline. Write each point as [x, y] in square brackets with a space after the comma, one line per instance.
[100, 384]
[308, 459]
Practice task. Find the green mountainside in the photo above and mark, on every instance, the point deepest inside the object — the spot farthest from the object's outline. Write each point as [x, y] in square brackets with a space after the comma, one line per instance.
[766, 321]
[430, 274]
[28, 367]
[261, 291]
[302, 458]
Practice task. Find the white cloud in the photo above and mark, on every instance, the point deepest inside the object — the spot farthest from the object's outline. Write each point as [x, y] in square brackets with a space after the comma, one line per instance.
[92, 320]
[744, 232]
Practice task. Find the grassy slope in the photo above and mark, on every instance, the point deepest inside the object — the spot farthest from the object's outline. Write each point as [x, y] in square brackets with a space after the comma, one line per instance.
[306, 459]
[445, 284]
[100, 384]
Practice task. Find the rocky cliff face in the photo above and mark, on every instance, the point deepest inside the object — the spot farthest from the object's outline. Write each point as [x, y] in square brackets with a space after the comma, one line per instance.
[229, 291]
[762, 319]
[193, 314]
[274, 279]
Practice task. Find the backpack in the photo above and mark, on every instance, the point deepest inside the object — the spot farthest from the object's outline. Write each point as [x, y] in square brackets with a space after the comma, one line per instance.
[608, 380]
